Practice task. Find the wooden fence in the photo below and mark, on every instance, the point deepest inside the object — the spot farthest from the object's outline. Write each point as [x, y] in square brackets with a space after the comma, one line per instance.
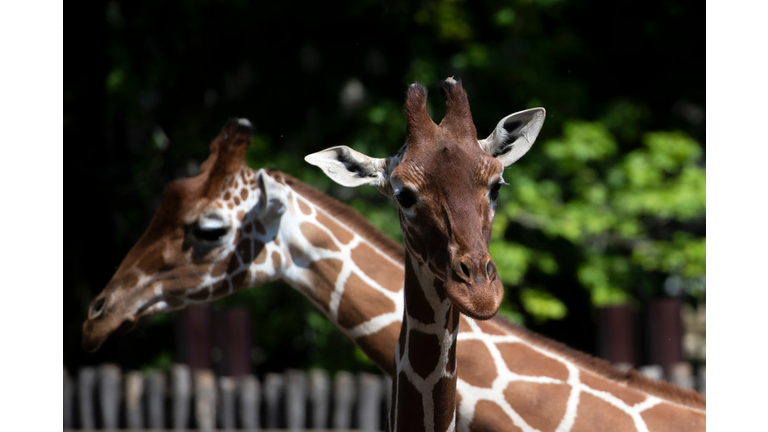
[102, 398]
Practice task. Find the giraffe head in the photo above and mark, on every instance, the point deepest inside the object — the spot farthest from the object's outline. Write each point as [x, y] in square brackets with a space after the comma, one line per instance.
[210, 236]
[445, 183]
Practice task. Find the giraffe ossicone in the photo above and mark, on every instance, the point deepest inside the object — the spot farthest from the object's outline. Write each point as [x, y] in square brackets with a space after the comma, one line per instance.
[510, 378]
[445, 183]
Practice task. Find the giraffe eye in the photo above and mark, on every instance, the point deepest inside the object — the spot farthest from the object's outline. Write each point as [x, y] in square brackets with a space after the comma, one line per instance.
[494, 193]
[210, 228]
[210, 234]
[406, 198]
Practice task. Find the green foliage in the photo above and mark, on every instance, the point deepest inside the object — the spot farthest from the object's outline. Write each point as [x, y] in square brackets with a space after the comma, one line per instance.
[609, 205]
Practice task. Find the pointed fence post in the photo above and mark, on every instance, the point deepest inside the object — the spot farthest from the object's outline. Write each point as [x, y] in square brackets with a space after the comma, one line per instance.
[68, 403]
[86, 381]
[681, 375]
[155, 383]
[227, 402]
[181, 394]
[109, 395]
[319, 392]
[134, 390]
[343, 398]
[249, 395]
[370, 390]
[205, 400]
[273, 390]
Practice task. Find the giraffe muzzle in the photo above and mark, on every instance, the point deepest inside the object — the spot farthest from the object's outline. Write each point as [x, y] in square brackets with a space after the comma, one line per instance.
[473, 285]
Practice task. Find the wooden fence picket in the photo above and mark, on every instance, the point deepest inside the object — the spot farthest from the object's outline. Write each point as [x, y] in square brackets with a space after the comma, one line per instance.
[343, 398]
[181, 395]
[134, 392]
[155, 391]
[249, 391]
[86, 382]
[319, 392]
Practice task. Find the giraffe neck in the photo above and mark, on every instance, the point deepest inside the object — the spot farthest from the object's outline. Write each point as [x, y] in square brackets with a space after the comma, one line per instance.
[425, 384]
[349, 269]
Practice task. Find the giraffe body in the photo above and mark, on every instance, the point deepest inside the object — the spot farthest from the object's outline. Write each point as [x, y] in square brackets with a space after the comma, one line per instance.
[362, 271]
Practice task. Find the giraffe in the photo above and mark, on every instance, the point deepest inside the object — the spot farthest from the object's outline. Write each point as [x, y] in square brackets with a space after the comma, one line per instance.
[445, 186]
[354, 274]
[445, 183]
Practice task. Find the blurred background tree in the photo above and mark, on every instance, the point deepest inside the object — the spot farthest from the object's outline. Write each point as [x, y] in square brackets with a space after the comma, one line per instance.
[607, 208]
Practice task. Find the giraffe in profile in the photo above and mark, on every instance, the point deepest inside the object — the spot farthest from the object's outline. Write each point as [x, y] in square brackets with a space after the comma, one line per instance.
[510, 379]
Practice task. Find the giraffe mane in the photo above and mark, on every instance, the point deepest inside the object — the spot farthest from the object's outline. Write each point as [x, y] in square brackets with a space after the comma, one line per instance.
[344, 214]
[630, 378]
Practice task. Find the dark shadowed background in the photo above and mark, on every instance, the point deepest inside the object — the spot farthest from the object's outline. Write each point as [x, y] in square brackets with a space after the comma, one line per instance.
[608, 208]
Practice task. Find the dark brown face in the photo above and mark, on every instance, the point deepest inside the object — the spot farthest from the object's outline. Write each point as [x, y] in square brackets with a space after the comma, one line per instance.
[446, 187]
[197, 246]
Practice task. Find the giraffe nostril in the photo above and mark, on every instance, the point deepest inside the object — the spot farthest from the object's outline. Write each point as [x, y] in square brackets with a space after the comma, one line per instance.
[489, 268]
[464, 269]
[98, 306]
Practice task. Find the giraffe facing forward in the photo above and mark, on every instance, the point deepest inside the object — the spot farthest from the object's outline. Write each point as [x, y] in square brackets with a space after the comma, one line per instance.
[510, 379]
[445, 183]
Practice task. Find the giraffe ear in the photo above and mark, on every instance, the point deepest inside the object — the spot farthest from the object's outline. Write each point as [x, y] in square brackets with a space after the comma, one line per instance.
[514, 135]
[273, 197]
[350, 168]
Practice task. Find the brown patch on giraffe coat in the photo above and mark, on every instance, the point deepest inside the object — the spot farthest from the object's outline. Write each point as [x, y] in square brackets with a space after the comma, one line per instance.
[489, 328]
[669, 417]
[595, 414]
[174, 302]
[317, 237]
[151, 260]
[323, 274]
[234, 264]
[230, 206]
[385, 273]
[523, 360]
[220, 267]
[276, 261]
[488, 416]
[199, 295]
[444, 402]
[244, 194]
[439, 287]
[475, 363]
[237, 201]
[227, 196]
[542, 406]
[245, 251]
[360, 302]
[241, 215]
[305, 208]
[401, 338]
[410, 411]
[423, 352]
[342, 234]
[629, 396]
[464, 325]
[222, 288]
[416, 304]
[380, 346]
[239, 280]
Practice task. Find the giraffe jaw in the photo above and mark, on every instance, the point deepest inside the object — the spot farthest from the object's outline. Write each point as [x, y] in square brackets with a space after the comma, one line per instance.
[96, 333]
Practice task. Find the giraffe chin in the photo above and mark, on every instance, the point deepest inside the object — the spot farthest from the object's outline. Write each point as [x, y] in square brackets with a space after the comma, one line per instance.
[94, 337]
[478, 301]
